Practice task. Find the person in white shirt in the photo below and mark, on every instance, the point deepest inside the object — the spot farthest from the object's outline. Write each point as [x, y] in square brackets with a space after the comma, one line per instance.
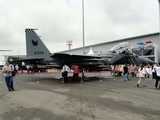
[7, 71]
[157, 75]
[149, 71]
[16, 68]
[65, 70]
[28, 67]
[154, 71]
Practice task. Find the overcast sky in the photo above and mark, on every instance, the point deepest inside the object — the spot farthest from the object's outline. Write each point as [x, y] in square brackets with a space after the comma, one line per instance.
[61, 20]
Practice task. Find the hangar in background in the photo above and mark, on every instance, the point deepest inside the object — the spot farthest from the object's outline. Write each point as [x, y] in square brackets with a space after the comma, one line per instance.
[146, 50]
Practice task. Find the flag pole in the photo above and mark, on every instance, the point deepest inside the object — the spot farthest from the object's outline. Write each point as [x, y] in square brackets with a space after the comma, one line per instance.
[159, 14]
[159, 17]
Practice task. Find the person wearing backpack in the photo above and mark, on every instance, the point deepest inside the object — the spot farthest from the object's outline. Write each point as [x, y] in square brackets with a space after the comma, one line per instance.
[7, 71]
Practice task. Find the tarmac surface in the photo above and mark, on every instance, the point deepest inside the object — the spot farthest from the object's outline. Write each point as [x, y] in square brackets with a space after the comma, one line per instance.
[45, 97]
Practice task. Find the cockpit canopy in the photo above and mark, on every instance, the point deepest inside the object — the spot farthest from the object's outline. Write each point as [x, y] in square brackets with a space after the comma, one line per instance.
[120, 47]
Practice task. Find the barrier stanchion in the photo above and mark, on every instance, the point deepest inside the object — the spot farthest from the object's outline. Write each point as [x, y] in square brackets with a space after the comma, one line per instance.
[62, 79]
[14, 80]
[100, 76]
[38, 77]
[114, 75]
[2, 79]
[82, 77]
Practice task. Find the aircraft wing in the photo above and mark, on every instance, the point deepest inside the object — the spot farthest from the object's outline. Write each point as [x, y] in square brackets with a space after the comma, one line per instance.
[23, 58]
[75, 58]
[89, 62]
[74, 55]
[29, 59]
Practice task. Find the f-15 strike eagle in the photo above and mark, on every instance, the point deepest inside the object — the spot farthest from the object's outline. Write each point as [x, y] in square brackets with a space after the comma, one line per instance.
[39, 55]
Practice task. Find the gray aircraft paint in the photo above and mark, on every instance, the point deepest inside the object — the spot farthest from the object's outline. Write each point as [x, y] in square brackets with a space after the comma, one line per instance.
[34, 45]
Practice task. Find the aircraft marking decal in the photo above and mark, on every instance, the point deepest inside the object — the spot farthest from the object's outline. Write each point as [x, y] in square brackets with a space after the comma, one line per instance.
[29, 30]
[38, 52]
[35, 43]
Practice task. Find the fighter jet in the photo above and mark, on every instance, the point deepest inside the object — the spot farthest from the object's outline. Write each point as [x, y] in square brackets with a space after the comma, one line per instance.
[39, 55]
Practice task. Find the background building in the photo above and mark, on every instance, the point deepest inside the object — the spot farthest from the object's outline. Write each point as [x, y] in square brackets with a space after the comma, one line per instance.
[136, 45]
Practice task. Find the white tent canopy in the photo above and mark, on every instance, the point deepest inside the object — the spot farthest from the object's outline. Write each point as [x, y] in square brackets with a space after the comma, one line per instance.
[90, 51]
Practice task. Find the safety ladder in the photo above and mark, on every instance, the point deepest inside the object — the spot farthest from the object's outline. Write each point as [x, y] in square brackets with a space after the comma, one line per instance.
[134, 60]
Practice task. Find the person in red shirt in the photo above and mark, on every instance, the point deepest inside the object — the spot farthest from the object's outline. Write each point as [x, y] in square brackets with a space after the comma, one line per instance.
[75, 72]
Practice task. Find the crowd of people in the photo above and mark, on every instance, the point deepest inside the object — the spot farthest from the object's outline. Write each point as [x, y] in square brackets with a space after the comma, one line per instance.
[141, 72]
[8, 70]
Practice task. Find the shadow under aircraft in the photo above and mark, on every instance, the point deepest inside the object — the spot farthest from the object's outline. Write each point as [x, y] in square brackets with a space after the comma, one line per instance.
[39, 56]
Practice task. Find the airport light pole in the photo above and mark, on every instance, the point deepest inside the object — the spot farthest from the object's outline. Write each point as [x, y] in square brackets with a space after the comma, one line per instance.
[159, 17]
[83, 24]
